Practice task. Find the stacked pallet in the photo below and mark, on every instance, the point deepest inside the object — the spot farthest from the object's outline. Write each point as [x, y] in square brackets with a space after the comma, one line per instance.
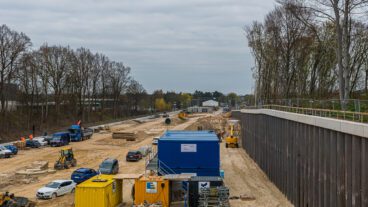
[214, 197]
[129, 136]
[20, 145]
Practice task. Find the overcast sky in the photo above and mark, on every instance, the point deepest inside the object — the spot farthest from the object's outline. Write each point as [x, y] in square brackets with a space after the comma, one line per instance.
[180, 45]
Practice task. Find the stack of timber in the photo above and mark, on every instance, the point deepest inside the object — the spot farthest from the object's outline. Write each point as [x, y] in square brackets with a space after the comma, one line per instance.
[129, 136]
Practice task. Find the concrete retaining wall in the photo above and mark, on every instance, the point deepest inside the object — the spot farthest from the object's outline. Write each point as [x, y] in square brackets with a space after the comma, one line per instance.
[314, 161]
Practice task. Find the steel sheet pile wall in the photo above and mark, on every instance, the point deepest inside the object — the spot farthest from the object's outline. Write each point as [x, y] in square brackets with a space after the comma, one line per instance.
[312, 166]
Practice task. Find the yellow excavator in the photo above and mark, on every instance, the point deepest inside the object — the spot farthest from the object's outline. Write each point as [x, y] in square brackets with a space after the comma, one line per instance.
[232, 138]
[66, 159]
[9, 200]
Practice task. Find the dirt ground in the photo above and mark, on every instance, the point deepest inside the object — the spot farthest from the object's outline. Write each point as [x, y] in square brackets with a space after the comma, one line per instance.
[242, 175]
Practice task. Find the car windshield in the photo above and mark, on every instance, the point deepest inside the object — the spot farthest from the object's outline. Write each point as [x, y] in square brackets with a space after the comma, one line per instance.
[53, 185]
[82, 171]
[56, 138]
[106, 165]
[132, 152]
[73, 131]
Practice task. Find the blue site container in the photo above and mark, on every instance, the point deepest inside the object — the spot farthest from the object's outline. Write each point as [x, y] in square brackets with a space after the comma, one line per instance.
[190, 152]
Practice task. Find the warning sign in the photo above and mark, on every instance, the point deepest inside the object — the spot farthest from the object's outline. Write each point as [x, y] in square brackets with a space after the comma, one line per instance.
[151, 187]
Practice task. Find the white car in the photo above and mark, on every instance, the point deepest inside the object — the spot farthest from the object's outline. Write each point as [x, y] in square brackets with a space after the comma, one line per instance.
[41, 140]
[56, 188]
[5, 153]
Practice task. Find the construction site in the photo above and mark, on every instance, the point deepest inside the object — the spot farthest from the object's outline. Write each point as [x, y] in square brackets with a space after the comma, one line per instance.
[243, 182]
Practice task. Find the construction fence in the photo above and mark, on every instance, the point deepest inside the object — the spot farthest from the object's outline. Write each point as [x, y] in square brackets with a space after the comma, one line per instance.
[311, 165]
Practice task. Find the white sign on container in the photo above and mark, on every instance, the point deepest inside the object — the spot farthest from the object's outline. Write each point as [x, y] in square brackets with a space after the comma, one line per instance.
[202, 186]
[151, 187]
[188, 148]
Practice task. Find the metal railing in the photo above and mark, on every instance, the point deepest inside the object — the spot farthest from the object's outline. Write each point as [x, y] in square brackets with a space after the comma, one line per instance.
[150, 156]
[336, 114]
[164, 169]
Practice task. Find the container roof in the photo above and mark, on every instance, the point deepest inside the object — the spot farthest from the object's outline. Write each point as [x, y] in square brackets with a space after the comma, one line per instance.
[189, 136]
[98, 181]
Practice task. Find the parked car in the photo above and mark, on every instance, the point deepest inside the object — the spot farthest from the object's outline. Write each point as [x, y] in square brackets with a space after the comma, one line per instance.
[155, 140]
[109, 166]
[134, 155]
[12, 148]
[82, 174]
[145, 150]
[32, 143]
[41, 140]
[56, 188]
[47, 139]
[5, 153]
[60, 139]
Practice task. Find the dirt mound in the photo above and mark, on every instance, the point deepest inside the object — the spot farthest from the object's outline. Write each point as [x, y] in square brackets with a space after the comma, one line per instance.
[140, 135]
[14, 179]
[217, 123]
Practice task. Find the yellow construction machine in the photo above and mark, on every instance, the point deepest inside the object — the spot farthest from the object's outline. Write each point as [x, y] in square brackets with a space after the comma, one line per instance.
[66, 159]
[183, 115]
[9, 200]
[232, 138]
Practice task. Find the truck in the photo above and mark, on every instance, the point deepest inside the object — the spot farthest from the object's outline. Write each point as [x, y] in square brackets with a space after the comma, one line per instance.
[78, 133]
[60, 139]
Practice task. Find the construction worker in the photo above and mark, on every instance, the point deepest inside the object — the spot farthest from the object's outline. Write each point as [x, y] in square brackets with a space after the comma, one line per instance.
[30, 136]
[23, 139]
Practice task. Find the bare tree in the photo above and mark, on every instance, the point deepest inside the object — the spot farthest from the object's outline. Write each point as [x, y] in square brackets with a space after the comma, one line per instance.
[119, 77]
[27, 76]
[58, 66]
[342, 13]
[55, 80]
[12, 45]
[136, 93]
[81, 75]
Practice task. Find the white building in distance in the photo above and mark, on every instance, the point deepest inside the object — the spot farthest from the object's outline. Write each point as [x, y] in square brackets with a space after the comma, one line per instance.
[210, 103]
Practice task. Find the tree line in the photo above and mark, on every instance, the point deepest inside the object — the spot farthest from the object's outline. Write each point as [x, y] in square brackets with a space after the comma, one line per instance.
[56, 83]
[50, 87]
[311, 49]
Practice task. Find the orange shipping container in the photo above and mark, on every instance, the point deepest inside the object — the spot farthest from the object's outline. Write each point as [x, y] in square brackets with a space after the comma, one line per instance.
[152, 189]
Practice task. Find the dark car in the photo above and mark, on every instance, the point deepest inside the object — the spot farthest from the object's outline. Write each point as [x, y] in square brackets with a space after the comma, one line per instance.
[109, 166]
[32, 144]
[82, 174]
[134, 156]
[12, 148]
[60, 139]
